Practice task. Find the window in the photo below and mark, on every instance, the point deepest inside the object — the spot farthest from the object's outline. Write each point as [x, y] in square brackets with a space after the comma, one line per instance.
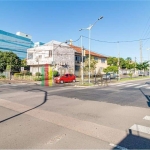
[102, 60]
[95, 58]
[78, 59]
[30, 55]
[77, 68]
[50, 53]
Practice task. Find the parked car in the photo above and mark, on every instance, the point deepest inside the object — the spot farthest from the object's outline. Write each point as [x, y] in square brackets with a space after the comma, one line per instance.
[65, 78]
[110, 76]
[143, 73]
[106, 76]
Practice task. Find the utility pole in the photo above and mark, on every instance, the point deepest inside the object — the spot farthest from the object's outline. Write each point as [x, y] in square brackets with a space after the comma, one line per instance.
[135, 66]
[118, 62]
[141, 51]
[149, 61]
[82, 61]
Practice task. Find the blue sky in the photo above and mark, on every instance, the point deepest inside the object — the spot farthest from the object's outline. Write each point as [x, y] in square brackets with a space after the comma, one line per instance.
[61, 21]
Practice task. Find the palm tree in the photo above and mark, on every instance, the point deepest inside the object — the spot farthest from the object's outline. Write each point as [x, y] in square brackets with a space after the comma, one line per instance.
[143, 66]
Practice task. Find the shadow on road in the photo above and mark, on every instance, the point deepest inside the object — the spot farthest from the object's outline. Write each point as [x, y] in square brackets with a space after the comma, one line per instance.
[147, 97]
[44, 101]
[132, 141]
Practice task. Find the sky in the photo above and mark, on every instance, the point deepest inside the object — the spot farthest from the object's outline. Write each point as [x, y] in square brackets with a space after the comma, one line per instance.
[61, 20]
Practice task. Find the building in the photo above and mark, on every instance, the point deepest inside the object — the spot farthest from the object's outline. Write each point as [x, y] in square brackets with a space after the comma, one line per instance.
[62, 57]
[17, 43]
[102, 60]
[58, 55]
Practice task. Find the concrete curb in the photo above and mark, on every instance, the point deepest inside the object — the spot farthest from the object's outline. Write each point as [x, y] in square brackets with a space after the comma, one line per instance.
[130, 81]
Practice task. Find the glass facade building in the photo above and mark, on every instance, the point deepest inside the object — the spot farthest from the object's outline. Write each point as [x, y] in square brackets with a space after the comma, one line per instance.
[17, 43]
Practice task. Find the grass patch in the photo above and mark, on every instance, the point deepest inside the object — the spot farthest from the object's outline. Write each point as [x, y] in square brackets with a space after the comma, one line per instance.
[134, 78]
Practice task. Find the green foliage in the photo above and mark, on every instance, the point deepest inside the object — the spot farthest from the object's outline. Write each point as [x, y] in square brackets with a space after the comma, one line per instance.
[111, 69]
[2, 76]
[142, 66]
[55, 73]
[18, 74]
[10, 61]
[130, 75]
[123, 63]
[112, 61]
[38, 79]
[28, 73]
[23, 62]
[38, 74]
[93, 63]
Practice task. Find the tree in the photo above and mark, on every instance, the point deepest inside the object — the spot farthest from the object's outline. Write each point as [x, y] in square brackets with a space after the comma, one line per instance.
[129, 59]
[93, 63]
[9, 60]
[111, 69]
[142, 66]
[112, 61]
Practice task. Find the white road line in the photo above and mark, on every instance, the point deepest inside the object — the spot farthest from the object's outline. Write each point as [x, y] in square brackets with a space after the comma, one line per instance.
[117, 146]
[146, 118]
[147, 88]
[141, 86]
[131, 85]
[140, 128]
[123, 84]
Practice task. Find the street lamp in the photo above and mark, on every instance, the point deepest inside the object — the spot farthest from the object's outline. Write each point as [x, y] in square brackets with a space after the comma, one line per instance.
[89, 28]
[149, 61]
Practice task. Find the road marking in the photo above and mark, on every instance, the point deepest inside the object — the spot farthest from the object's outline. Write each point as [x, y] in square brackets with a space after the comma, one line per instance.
[147, 88]
[140, 128]
[131, 85]
[141, 86]
[146, 118]
[117, 146]
[123, 84]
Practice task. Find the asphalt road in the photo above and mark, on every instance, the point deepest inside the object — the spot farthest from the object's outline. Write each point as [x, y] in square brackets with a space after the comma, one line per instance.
[100, 117]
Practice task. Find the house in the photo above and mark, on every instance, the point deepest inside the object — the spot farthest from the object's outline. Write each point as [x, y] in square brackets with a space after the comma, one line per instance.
[61, 57]
[102, 60]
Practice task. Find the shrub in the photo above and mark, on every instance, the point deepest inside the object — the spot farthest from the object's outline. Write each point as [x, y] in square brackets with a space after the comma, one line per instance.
[38, 74]
[55, 73]
[18, 74]
[2, 76]
[130, 74]
[28, 73]
[38, 79]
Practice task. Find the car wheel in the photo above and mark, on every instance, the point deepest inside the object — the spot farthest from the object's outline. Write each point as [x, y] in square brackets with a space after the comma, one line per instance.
[74, 81]
[61, 81]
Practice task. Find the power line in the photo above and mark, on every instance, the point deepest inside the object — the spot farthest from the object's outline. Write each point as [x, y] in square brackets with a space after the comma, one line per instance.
[116, 41]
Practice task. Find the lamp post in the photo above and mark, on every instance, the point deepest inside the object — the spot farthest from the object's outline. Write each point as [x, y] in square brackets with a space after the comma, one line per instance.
[149, 61]
[89, 28]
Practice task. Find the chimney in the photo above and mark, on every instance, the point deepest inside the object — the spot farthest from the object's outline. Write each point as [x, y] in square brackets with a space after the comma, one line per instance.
[70, 41]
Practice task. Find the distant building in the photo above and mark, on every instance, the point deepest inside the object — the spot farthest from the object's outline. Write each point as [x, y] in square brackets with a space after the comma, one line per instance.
[37, 44]
[17, 43]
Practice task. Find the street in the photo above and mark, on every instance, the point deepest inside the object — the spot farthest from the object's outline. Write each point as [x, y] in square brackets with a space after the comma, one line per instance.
[116, 116]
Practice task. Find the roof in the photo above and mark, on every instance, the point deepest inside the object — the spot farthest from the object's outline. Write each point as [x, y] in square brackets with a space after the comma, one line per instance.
[56, 43]
[78, 50]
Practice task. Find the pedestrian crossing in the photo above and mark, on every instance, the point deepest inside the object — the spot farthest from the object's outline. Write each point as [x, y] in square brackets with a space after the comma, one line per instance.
[142, 128]
[131, 85]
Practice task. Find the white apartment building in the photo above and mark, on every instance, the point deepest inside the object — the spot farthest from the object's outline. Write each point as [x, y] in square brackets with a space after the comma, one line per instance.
[58, 55]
